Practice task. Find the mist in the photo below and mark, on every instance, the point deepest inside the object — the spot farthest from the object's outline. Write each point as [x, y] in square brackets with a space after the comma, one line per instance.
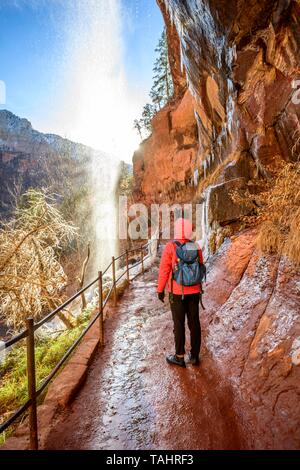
[99, 104]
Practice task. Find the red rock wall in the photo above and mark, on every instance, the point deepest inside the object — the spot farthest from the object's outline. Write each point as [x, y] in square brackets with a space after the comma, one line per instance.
[241, 62]
[252, 331]
[239, 116]
[163, 166]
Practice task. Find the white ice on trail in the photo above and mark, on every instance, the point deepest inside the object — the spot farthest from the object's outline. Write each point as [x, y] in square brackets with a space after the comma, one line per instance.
[237, 311]
[282, 310]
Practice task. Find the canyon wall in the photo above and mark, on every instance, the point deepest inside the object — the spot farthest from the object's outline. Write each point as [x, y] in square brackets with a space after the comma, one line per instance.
[233, 121]
[235, 113]
[32, 159]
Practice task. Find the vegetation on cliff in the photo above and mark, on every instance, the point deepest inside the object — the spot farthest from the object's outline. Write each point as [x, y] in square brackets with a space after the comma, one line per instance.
[162, 89]
[125, 183]
[280, 214]
[274, 206]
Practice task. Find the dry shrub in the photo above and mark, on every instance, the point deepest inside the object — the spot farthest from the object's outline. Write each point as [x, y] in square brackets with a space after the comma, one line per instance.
[280, 212]
[292, 245]
[277, 204]
[269, 239]
[282, 201]
[31, 275]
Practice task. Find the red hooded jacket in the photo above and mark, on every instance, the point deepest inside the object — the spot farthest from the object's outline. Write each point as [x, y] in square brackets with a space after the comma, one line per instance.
[183, 231]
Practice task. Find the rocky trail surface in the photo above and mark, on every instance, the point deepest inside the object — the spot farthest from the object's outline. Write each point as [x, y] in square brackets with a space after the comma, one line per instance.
[244, 394]
[132, 399]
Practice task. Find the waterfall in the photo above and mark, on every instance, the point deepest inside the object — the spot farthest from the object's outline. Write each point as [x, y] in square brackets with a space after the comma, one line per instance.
[98, 106]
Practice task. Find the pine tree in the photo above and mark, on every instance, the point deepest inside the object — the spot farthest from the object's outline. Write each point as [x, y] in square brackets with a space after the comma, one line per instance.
[147, 116]
[138, 126]
[162, 89]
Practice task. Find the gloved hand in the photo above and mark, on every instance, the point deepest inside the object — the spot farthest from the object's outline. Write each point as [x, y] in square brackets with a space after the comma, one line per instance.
[161, 296]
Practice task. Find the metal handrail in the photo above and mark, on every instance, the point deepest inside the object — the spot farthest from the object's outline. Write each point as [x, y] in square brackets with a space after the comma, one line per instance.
[24, 333]
[108, 267]
[15, 339]
[63, 306]
[29, 334]
[15, 416]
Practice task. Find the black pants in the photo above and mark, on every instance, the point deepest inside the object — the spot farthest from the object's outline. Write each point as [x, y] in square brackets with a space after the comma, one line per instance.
[189, 306]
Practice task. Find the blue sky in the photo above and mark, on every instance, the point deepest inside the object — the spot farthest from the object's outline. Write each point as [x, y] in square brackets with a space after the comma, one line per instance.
[36, 45]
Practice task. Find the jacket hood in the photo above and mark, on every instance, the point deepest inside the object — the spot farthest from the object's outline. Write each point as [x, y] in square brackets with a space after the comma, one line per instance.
[183, 229]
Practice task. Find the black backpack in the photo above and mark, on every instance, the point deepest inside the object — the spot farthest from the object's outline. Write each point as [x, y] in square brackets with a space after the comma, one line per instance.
[188, 271]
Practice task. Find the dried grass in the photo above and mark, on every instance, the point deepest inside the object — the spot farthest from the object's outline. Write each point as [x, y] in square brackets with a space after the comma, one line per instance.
[292, 245]
[31, 276]
[269, 238]
[277, 205]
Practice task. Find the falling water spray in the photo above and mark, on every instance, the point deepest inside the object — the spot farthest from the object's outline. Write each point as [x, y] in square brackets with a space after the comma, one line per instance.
[99, 107]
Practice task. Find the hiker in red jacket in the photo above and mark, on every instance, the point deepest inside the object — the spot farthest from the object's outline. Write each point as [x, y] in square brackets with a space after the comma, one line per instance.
[183, 282]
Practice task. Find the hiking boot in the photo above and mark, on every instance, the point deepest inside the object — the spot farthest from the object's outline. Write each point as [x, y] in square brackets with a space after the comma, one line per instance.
[177, 361]
[195, 361]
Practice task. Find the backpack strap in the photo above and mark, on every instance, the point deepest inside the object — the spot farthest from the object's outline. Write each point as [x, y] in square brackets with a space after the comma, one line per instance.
[178, 244]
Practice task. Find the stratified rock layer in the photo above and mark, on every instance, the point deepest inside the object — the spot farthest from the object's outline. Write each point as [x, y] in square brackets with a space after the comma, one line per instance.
[31, 159]
[242, 64]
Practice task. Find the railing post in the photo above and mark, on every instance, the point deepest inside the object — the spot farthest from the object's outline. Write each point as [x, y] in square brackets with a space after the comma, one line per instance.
[142, 255]
[31, 385]
[127, 266]
[114, 281]
[101, 323]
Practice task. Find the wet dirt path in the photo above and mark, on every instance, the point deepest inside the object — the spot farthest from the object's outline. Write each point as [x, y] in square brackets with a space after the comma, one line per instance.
[133, 399]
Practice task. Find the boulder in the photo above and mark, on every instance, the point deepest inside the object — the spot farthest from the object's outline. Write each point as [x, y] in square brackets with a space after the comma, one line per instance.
[220, 206]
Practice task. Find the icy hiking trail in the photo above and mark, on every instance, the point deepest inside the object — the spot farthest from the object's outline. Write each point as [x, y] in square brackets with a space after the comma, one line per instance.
[132, 399]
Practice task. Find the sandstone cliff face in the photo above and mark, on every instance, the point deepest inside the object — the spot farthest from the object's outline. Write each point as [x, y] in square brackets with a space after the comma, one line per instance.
[234, 123]
[163, 166]
[252, 331]
[242, 63]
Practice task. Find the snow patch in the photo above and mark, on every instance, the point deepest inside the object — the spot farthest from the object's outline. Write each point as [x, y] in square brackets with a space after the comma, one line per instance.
[283, 310]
